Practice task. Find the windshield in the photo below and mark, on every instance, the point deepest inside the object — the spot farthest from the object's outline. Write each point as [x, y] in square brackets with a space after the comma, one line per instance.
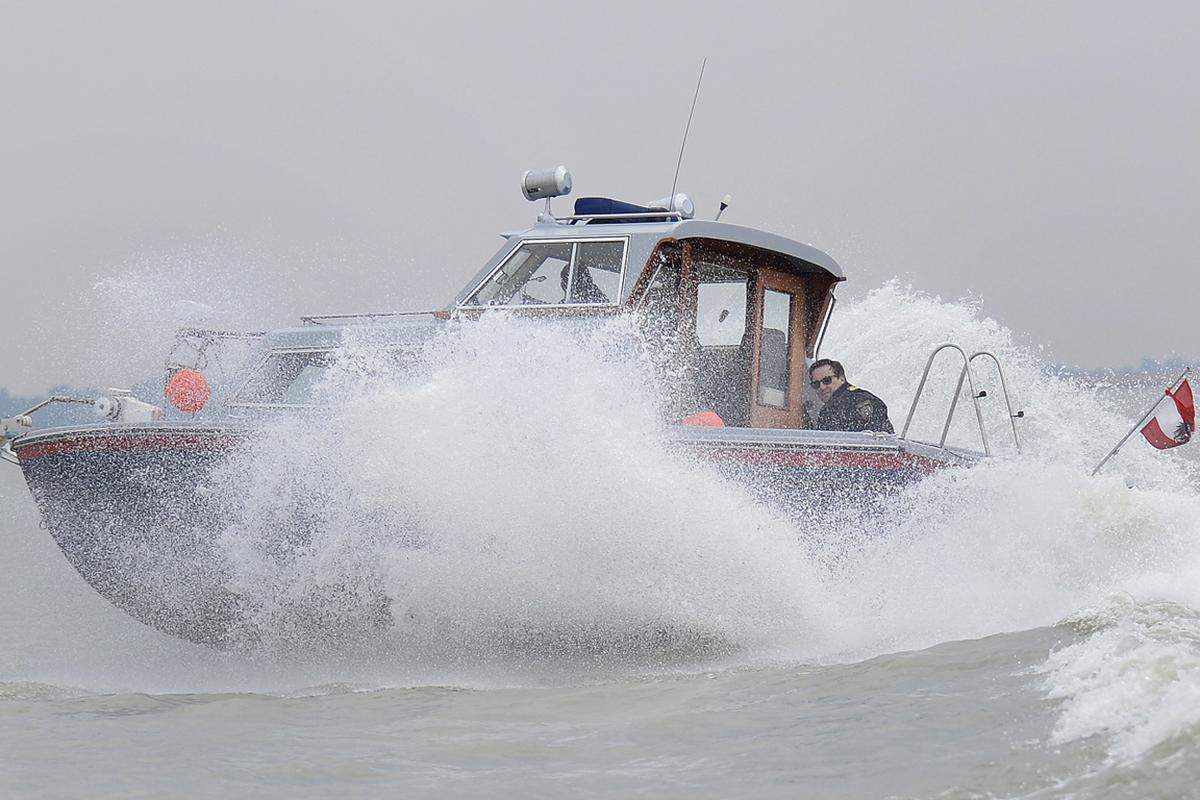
[286, 378]
[302, 377]
[556, 273]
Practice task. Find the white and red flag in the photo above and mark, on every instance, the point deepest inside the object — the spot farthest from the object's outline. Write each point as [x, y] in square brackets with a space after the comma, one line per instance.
[1174, 423]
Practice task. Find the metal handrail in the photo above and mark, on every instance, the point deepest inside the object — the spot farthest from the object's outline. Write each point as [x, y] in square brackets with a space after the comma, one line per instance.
[320, 319]
[642, 215]
[217, 333]
[1012, 416]
[966, 375]
[824, 326]
[11, 427]
[206, 338]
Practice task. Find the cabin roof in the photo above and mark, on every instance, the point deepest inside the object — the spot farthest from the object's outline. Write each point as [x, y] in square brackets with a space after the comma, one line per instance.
[707, 229]
[644, 236]
[687, 229]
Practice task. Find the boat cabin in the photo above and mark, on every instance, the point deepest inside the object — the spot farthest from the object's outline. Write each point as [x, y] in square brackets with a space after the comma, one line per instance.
[736, 313]
[740, 310]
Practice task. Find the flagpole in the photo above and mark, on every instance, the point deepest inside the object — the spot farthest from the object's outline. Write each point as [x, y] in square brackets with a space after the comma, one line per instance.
[1138, 425]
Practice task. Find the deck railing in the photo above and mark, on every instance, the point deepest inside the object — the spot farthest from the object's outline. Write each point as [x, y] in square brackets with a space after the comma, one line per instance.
[965, 375]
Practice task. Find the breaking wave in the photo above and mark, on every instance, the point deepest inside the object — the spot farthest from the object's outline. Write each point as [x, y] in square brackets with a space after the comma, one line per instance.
[1133, 678]
[511, 498]
[517, 496]
[554, 520]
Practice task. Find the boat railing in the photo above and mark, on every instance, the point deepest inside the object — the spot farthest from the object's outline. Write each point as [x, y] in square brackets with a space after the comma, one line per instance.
[198, 341]
[640, 216]
[325, 319]
[14, 426]
[1013, 416]
[965, 375]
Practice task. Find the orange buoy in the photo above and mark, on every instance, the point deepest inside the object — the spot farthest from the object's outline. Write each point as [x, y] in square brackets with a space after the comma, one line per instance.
[707, 419]
[188, 390]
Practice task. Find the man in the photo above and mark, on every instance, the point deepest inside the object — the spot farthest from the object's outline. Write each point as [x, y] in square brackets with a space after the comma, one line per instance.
[847, 408]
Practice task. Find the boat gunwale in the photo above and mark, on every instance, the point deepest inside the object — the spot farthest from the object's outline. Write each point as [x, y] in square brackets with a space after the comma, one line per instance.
[183, 435]
[813, 440]
[122, 436]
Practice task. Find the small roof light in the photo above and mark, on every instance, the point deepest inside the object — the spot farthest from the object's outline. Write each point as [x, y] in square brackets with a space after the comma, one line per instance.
[538, 184]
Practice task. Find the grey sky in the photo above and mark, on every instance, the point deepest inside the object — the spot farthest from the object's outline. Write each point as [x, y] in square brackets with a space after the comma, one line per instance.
[320, 157]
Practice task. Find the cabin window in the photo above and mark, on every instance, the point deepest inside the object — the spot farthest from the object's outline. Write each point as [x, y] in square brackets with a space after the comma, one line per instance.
[556, 273]
[596, 275]
[721, 306]
[286, 378]
[660, 302]
[774, 361]
[722, 359]
[663, 291]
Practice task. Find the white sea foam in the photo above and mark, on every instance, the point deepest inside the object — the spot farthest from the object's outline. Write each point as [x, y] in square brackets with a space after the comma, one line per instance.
[1134, 678]
[886, 337]
[1025, 542]
[118, 332]
[531, 468]
[1004, 547]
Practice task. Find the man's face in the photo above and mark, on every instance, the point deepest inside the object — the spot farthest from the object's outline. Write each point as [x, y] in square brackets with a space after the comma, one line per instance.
[826, 382]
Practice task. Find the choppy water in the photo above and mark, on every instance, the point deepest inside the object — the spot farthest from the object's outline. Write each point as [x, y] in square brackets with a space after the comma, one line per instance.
[596, 617]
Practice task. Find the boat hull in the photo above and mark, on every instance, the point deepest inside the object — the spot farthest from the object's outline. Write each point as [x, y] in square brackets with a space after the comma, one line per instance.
[132, 511]
[135, 511]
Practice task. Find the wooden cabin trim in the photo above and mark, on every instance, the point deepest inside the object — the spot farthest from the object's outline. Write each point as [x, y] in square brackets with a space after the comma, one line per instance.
[663, 254]
[798, 252]
[810, 290]
[474, 312]
[792, 414]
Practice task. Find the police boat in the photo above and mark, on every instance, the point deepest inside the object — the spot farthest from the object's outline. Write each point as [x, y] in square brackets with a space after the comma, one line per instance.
[738, 314]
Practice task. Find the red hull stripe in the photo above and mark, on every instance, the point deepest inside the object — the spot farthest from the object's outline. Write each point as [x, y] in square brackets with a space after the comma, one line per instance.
[157, 441]
[790, 457]
[828, 458]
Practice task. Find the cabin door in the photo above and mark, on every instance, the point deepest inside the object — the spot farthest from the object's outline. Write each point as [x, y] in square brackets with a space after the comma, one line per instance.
[778, 373]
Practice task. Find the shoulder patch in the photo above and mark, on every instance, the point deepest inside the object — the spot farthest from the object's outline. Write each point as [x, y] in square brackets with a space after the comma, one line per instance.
[864, 409]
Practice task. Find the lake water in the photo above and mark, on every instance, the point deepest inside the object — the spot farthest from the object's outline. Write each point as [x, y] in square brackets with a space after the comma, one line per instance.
[1013, 630]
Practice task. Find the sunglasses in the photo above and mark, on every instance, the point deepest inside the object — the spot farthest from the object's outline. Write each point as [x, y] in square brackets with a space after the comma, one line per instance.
[828, 379]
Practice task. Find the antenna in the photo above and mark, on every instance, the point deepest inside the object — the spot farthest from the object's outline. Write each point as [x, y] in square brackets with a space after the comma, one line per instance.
[725, 203]
[695, 97]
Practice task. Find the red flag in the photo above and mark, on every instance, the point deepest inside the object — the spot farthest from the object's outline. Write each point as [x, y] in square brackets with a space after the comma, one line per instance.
[1173, 425]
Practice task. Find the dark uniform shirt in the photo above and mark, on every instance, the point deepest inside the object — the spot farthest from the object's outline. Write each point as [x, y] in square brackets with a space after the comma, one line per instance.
[853, 409]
